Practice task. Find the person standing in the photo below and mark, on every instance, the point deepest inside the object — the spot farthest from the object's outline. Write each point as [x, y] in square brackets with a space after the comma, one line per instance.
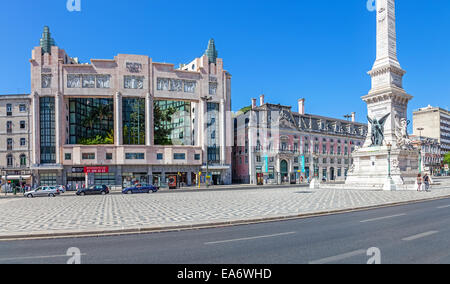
[419, 182]
[426, 180]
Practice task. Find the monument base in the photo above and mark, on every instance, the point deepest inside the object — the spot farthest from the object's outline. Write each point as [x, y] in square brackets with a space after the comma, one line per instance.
[370, 170]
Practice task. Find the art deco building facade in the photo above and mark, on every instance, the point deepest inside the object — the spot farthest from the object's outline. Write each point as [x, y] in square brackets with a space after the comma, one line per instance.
[274, 144]
[15, 136]
[128, 119]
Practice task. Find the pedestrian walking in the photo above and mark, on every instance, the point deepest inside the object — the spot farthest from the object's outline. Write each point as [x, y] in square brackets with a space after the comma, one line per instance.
[419, 182]
[427, 181]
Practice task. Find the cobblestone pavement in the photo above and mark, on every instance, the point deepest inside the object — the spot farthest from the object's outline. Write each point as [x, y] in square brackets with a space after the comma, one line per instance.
[95, 213]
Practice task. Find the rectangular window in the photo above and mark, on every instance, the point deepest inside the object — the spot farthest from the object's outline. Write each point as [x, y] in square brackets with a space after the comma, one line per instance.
[68, 156]
[189, 86]
[22, 125]
[212, 88]
[9, 109]
[133, 117]
[109, 156]
[73, 81]
[176, 85]
[133, 82]
[179, 156]
[9, 126]
[134, 156]
[48, 179]
[89, 81]
[9, 143]
[103, 81]
[197, 157]
[159, 156]
[88, 156]
[23, 141]
[47, 130]
[162, 84]
[22, 108]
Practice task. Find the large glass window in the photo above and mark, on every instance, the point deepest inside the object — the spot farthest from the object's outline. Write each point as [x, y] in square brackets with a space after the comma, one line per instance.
[172, 123]
[133, 121]
[212, 129]
[91, 121]
[48, 179]
[47, 127]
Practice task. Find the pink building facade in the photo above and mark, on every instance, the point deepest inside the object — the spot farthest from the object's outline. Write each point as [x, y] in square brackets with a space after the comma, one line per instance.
[274, 144]
[68, 102]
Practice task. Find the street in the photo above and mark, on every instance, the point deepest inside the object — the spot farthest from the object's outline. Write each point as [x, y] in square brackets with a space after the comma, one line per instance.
[414, 233]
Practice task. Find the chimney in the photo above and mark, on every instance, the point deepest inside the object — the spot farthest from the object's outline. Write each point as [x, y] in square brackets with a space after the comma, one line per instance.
[253, 103]
[353, 116]
[301, 106]
[261, 100]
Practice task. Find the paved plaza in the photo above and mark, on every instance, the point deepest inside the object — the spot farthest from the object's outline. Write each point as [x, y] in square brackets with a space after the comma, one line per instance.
[69, 213]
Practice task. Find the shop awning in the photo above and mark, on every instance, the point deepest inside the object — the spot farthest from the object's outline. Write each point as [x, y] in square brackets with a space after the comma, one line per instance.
[18, 177]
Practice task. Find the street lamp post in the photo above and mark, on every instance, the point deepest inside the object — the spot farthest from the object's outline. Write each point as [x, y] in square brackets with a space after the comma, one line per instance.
[389, 185]
[389, 146]
[420, 148]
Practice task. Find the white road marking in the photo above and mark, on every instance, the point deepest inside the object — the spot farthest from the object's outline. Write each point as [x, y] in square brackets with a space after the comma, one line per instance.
[339, 257]
[442, 207]
[419, 236]
[37, 257]
[251, 238]
[383, 218]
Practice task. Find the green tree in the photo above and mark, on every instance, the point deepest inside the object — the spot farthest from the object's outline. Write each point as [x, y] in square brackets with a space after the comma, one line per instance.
[447, 158]
[162, 119]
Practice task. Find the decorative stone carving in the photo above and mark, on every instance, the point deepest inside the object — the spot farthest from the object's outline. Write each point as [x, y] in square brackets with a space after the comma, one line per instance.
[46, 81]
[134, 67]
[401, 132]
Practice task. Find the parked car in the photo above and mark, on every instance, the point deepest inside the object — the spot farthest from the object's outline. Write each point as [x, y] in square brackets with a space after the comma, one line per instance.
[93, 190]
[62, 188]
[140, 188]
[50, 191]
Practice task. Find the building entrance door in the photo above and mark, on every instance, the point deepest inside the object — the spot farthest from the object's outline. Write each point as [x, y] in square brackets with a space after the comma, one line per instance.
[284, 171]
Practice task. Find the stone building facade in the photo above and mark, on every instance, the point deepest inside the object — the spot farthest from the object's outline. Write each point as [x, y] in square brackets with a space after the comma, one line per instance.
[15, 138]
[274, 144]
[433, 122]
[100, 122]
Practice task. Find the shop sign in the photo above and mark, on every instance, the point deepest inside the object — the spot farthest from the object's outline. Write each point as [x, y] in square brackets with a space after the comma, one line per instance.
[77, 170]
[96, 170]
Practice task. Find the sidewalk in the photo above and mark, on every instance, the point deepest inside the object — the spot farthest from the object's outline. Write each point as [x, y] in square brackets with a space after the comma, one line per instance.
[119, 214]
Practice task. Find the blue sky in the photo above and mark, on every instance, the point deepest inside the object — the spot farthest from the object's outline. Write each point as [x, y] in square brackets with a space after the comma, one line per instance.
[318, 50]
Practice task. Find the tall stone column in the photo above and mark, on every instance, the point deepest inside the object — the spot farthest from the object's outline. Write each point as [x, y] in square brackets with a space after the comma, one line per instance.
[58, 121]
[118, 134]
[223, 125]
[148, 119]
[36, 130]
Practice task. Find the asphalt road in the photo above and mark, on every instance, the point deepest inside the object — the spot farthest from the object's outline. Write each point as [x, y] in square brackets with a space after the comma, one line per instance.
[415, 233]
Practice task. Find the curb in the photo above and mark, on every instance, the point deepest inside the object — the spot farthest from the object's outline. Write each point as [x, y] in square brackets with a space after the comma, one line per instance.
[164, 229]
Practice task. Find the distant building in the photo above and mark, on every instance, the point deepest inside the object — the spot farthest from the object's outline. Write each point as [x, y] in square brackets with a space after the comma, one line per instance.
[433, 122]
[15, 138]
[274, 144]
[430, 153]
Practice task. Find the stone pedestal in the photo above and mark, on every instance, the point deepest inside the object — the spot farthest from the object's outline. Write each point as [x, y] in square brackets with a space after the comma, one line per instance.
[315, 184]
[370, 170]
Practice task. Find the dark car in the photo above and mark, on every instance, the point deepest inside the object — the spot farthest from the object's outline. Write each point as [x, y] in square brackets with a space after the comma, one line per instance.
[94, 189]
[140, 188]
